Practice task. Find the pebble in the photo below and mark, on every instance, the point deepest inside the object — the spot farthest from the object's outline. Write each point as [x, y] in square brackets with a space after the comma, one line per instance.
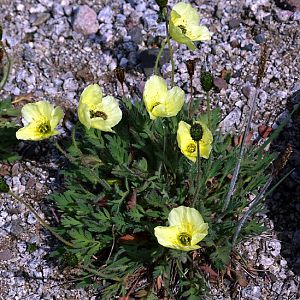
[85, 21]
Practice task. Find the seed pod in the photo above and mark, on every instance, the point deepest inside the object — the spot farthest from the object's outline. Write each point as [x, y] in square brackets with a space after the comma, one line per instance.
[190, 64]
[120, 74]
[196, 132]
[206, 80]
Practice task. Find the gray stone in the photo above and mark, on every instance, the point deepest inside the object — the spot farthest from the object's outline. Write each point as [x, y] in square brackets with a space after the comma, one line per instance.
[220, 83]
[6, 255]
[16, 228]
[70, 84]
[40, 19]
[28, 53]
[260, 38]
[136, 35]
[85, 21]
[232, 119]
[234, 23]
[106, 15]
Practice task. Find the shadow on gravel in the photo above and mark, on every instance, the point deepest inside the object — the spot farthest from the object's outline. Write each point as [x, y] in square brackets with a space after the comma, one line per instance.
[284, 203]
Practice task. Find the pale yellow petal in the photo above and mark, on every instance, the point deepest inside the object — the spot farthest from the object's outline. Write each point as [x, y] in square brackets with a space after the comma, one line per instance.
[112, 110]
[91, 95]
[182, 215]
[187, 12]
[56, 116]
[205, 150]
[31, 133]
[183, 133]
[167, 236]
[178, 36]
[207, 137]
[155, 92]
[33, 111]
[199, 233]
[174, 101]
[100, 124]
[84, 115]
[198, 33]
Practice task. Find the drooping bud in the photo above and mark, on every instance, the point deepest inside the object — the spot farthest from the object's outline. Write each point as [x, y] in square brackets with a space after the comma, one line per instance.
[162, 3]
[190, 65]
[4, 188]
[196, 132]
[206, 80]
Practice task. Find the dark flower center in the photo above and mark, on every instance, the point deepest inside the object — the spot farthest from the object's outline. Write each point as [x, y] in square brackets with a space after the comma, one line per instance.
[185, 239]
[191, 148]
[44, 128]
[98, 114]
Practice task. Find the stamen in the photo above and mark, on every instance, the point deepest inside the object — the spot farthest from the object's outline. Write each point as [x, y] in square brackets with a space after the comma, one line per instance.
[44, 128]
[183, 29]
[185, 239]
[98, 114]
[191, 148]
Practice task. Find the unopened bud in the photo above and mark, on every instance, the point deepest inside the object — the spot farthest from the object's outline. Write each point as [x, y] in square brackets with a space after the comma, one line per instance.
[162, 3]
[207, 81]
[190, 64]
[4, 188]
[196, 132]
[120, 74]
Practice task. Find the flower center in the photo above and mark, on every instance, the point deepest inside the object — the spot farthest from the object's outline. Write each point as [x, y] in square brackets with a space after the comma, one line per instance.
[44, 128]
[185, 239]
[183, 29]
[191, 148]
[98, 114]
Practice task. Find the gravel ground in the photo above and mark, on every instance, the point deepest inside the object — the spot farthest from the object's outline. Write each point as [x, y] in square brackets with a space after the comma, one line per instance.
[59, 47]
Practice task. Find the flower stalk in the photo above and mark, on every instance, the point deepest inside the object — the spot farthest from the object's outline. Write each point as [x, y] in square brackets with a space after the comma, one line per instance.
[165, 13]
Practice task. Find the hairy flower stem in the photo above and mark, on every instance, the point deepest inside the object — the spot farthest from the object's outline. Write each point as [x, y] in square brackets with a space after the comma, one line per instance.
[208, 109]
[31, 209]
[163, 45]
[165, 12]
[197, 182]
[191, 99]
[8, 67]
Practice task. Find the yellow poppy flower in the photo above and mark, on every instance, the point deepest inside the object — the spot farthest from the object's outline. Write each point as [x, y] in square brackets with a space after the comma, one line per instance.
[94, 111]
[184, 25]
[186, 229]
[188, 146]
[161, 102]
[42, 118]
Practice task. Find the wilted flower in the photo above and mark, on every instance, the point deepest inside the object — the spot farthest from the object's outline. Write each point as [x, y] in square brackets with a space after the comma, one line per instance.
[42, 118]
[188, 146]
[161, 102]
[186, 229]
[94, 111]
[184, 25]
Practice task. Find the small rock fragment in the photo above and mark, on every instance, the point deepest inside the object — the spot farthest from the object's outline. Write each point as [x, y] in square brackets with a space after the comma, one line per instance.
[85, 21]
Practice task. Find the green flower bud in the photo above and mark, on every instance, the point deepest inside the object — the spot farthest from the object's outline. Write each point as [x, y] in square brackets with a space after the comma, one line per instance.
[206, 80]
[196, 132]
[162, 3]
[4, 188]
